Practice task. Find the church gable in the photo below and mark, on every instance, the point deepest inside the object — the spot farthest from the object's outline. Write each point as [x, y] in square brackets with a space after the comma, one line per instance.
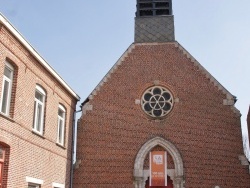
[168, 63]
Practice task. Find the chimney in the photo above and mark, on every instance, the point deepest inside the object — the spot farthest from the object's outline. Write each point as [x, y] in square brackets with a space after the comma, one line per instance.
[154, 21]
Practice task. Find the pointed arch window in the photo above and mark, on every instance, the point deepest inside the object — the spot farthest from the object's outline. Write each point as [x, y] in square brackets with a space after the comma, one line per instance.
[39, 105]
[6, 88]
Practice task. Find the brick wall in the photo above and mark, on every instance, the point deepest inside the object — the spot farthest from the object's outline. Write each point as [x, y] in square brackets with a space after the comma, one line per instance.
[206, 132]
[30, 154]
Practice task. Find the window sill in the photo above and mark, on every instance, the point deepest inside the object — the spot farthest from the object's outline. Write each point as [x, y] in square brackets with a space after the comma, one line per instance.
[60, 145]
[37, 133]
[6, 117]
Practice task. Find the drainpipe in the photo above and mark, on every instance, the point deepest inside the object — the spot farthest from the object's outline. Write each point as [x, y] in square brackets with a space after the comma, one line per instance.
[248, 127]
[73, 147]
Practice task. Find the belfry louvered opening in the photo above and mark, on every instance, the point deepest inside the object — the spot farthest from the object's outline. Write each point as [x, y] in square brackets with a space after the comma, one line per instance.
[153, 8]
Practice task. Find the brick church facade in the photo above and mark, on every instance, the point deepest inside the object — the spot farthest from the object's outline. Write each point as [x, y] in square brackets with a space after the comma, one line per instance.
[158, 98]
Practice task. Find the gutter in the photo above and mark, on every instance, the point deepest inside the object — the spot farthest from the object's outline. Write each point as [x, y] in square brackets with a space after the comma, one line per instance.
[73, 148]
[35, 54]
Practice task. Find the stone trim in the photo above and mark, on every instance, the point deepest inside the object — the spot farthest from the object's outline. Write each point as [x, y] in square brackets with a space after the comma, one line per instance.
[139, 173]
[243, 160]
[108, 75]
[34, 180]
[208, 75]
[5, 141]
[86, 107]
[229, 101]
[229, 96]
[59, 185]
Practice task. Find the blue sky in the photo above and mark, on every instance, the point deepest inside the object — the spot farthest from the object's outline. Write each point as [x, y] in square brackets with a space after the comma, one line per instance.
[82, 39]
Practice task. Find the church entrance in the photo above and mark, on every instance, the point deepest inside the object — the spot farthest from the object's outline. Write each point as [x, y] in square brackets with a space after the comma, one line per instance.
[173, 170]
[170, 184]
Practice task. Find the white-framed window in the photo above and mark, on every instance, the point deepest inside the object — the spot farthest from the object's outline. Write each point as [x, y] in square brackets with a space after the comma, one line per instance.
[39, 105]
[6, 88]
[34, 182]
[61, 125]
[57, 185]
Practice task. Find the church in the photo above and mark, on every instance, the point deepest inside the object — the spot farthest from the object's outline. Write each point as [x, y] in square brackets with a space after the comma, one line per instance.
[159, 118]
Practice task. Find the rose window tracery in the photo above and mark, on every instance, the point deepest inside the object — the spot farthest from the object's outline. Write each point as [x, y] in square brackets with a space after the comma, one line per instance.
[157, 101]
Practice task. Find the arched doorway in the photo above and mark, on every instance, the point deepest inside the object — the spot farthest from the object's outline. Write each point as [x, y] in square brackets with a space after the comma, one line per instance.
[170, 184]
[141, 175]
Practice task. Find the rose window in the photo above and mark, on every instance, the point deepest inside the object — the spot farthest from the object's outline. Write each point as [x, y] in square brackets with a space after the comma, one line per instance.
[157, 101]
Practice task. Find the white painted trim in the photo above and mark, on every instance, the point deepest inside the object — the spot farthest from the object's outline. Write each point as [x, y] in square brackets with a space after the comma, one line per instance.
[41, 90]
[61, 119]
[10, 81]
[112, 70]
[21, 39]
[42, 103]
[166, 170]
[9, 65]
[34, 180]
[58, 185]
[62, 107]
[150, 168]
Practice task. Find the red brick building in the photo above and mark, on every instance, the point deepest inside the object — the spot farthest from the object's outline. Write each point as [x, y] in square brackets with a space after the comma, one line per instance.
[36, 117]
[157, 97]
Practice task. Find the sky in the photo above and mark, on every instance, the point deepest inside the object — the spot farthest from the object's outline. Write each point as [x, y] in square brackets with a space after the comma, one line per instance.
[83, 39]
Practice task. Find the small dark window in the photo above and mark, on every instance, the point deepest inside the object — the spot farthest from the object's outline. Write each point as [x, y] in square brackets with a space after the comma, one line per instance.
[157, 91]
[146, 13]
[161, 5]
[147, 96]
[146, 5]
[162, 12]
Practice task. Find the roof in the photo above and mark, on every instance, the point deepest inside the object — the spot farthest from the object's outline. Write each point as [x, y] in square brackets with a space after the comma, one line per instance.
[35, 54]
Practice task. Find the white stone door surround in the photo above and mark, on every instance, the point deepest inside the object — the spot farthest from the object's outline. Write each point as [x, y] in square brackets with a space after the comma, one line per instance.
[140, 174]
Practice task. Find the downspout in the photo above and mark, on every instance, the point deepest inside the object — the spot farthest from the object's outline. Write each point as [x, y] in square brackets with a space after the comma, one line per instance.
[73, 148]
[248, 127]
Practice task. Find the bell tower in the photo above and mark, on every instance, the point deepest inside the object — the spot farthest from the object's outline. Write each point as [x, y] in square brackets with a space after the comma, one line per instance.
[154, 21]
